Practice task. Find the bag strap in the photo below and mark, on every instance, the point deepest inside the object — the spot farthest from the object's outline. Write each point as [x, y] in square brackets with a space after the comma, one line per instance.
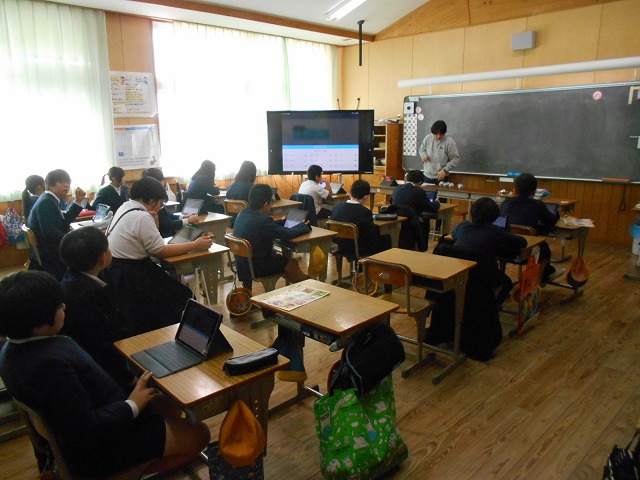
[112, 226]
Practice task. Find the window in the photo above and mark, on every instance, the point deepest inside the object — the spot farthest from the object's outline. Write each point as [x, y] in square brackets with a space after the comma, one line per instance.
[215, 86]
[56, 106]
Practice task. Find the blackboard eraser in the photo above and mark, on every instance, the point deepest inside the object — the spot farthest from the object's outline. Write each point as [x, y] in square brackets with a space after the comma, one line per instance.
[616, 180]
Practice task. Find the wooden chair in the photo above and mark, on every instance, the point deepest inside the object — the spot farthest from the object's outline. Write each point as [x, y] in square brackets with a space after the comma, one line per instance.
[397, 280]
[234, 207]
[241, 247]
[33, 245]
[347, 231]
[40, 429]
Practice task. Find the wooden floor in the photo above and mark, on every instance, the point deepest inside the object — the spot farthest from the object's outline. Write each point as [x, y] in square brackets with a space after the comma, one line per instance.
[550, 405]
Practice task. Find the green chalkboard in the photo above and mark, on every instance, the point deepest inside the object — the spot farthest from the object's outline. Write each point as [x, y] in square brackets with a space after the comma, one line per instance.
[581, 132]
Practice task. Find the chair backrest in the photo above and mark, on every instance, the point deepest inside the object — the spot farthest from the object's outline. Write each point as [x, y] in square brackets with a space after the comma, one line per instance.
[241, 248]
[347, 231]
[523, 230]
[39, 425]
[393, 274]
[234, 206]
[307, 204]
[33, 244]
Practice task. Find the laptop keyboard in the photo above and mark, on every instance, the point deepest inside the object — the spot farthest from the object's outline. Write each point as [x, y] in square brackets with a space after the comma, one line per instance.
[174, 356]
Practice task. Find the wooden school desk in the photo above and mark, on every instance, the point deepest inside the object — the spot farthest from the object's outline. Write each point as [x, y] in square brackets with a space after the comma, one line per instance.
[392, 228]
[279, 208]
[215, 223]
[331, 320]
[320, 237]
[438, 274]
[205, 390]
[209, 261]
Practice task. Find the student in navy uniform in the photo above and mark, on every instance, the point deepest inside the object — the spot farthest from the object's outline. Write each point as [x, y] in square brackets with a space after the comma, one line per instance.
[92, 315]
[255, 225]
[312, 186]
[523, 209]
[413, 195]
[34, 187]
[167, 223]
[241, 186]
[113, 194]
[355, 211]
[203, 187]
[50, 224]
[102, 428]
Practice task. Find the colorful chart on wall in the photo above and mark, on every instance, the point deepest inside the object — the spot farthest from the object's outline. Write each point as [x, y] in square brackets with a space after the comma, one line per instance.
[137, 146]
[133, 94]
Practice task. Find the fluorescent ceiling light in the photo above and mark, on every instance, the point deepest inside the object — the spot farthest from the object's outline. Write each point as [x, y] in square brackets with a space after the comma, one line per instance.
[343, 8]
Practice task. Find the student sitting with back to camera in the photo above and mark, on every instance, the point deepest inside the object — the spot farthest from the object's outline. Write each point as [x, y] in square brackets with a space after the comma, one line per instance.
[148, 296]
[318, 189]
[49, 223]
[167, 223]
[523, 209]
[241, 186]
[256, 226]
[115, 193]
[203, 186]
[413, 195]
[484, 238]
[92, 315]
[102, 428]
[34, 187]
[355, 211]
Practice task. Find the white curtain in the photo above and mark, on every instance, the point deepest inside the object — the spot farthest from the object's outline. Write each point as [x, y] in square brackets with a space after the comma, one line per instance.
[215, 86]
[56, 101]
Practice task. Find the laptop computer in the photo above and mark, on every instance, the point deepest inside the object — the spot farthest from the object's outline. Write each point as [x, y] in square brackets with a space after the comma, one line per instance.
[503, 222]
[294, 217]
[101, 219]
[198, 337]
[191, 207]
[336, 188]
[553, 208]
[186, 234]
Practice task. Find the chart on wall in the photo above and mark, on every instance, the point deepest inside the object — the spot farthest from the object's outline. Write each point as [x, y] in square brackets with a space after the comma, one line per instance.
[133, 94]
[586, 132]
[137, 146]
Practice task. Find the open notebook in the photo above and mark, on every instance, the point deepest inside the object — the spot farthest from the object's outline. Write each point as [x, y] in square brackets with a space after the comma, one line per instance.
[198, 337]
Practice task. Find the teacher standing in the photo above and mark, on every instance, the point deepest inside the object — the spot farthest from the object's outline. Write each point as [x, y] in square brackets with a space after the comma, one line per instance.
[439, 154]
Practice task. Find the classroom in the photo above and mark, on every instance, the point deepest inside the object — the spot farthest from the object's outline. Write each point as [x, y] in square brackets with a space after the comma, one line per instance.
[557, 397]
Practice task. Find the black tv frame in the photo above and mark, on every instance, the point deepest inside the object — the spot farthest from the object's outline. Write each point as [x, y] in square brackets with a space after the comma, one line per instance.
[335, 131]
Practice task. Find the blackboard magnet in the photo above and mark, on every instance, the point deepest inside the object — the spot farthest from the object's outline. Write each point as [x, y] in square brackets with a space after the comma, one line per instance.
[616, 180]
[513, 174]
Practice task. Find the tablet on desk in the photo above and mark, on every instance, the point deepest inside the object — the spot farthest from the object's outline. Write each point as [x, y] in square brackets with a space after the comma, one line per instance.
[294, 217]
[192, 206]
[186, 234]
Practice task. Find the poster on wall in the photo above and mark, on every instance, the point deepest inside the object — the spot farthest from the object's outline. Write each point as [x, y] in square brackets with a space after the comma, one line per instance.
[137, 146]
[133, 94]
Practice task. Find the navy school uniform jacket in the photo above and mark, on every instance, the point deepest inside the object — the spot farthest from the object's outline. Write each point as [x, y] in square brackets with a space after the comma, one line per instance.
[529, 211]
[369, 241]
[414, 197]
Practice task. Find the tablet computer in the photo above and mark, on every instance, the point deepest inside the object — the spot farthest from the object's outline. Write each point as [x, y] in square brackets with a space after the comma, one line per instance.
[294, 217]
[186, 234]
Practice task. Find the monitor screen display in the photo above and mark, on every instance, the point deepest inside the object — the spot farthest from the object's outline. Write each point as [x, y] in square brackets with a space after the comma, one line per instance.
[340, 141]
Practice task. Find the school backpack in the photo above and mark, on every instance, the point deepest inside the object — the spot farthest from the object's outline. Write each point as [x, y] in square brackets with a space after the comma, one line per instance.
[12, 223]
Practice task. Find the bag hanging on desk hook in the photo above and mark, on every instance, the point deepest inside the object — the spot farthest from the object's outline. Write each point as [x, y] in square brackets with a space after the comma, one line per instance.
[242, 439]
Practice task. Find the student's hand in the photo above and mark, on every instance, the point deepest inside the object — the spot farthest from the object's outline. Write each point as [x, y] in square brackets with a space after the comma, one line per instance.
[192, 218]
[442, 174]
[80, 194]
[142, 394]
[204, 242]
[154, 215]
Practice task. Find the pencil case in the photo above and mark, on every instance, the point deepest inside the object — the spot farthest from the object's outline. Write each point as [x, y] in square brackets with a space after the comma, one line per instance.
[251, 362]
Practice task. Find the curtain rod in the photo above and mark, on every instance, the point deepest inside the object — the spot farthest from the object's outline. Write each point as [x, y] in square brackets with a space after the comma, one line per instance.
[612, 64]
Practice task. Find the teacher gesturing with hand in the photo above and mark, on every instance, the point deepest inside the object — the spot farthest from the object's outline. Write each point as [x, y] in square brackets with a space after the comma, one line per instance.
[439, 154]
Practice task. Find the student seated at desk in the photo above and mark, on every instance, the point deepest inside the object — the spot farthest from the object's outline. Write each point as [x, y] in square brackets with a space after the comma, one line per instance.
[241, 186]
[92, 315]
[412, 195]
[102, 428]
[484, 238]
[167, 223]
[149, 298]
[115, 193]
[49, 223]
[203, 186]
[523, 209]
[312, 186]
[34, 187]
[256, 226]
[355, 211]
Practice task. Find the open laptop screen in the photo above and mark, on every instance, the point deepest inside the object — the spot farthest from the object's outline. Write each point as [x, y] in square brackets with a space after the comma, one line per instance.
[294, 217]
[186, 234]
[431, 194]
[553, 207]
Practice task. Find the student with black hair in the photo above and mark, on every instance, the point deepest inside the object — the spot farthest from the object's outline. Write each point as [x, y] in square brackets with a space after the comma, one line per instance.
[33, 188]
[439, 154]
[115, 193]
[92, 315]
[318, 189]
[245, 178]
[355, 211]
[149, 298]
[256, 226]
[203, 186]
[50, 224]
[103, 429]
[412, 195]
[167, 223]
[523, 209]
[484, 238]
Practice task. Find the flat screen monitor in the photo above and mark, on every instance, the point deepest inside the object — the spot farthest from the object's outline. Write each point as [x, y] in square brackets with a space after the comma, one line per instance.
[340, 141]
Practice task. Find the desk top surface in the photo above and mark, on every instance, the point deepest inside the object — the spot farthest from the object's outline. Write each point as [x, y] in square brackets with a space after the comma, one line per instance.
[197, 384]
[382, 223]
[533, 241]
[316, 233]
[284, 203]
[212, 217]
[427, 265]
[338, 313]
[214, 249]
